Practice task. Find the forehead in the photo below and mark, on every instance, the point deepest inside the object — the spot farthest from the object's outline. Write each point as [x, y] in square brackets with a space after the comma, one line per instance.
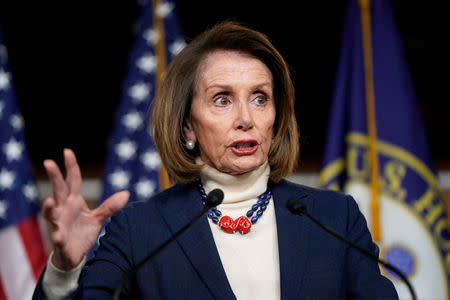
[225, 65]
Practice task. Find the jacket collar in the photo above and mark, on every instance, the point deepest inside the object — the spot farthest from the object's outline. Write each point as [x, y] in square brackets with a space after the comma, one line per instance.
[197, 242]
[293, 238]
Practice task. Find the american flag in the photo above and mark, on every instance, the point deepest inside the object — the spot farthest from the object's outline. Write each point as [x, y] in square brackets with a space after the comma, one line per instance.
[133, 162]
[22, 252]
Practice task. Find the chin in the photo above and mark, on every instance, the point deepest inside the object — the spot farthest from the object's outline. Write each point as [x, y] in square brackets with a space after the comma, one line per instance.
[244, 165]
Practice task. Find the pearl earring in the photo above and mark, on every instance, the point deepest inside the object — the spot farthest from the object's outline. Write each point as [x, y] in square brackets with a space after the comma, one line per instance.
[190, 144]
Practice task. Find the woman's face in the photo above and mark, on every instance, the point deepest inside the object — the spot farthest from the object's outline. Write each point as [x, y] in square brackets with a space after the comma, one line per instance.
[233, 112]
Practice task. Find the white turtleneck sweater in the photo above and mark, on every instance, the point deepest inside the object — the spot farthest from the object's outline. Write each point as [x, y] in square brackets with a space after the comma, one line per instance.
[250, 261]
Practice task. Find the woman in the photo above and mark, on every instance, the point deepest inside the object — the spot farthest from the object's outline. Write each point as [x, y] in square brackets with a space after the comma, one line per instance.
[224, 118]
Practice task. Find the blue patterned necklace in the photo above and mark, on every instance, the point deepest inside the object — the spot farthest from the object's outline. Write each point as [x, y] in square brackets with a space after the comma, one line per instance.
[241, 224]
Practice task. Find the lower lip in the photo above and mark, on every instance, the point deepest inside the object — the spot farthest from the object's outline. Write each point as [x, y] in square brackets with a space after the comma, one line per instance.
[244, 151]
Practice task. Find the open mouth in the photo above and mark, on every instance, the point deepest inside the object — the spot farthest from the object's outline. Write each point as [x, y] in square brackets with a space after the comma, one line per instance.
[244, 147]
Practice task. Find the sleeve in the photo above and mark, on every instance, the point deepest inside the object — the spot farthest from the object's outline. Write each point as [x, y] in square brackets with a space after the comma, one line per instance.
[364, 279]
[59, 284]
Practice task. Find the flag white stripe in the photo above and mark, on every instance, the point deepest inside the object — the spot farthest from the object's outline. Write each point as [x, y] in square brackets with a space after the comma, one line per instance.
[15, 271]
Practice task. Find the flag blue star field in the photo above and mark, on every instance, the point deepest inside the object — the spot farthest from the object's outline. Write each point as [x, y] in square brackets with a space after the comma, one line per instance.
[22, 252]
[133, 162]
[414, 232]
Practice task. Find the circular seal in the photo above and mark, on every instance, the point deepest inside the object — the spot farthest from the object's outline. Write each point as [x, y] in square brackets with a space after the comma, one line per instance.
[402, 259]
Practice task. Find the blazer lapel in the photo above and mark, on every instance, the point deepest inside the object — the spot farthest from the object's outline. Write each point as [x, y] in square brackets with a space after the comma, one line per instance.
[293, 239]
[197, 242]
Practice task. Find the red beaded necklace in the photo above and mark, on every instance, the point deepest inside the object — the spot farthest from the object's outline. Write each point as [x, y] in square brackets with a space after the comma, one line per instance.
[241, 224]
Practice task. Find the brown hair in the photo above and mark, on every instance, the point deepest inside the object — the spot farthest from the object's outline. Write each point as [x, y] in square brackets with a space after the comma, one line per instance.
[172, 105]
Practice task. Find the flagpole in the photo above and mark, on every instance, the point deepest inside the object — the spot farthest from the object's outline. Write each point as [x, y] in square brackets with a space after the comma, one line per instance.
[160, 53]
[371, 120]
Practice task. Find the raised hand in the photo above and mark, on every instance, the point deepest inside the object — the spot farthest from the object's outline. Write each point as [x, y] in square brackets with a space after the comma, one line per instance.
[73, 226]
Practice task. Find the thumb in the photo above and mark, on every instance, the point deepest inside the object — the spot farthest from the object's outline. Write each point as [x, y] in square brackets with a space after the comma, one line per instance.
[112, 205]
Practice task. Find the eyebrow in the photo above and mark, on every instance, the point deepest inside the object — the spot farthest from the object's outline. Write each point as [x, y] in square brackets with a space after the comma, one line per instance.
[264, 84]
[229, 87]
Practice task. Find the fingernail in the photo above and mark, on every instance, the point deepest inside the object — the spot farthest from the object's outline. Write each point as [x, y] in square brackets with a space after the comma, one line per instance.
[46, 162]
[67, 151]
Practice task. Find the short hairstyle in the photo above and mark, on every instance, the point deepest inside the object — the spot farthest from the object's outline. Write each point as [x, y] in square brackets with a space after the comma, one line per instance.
[172, 105]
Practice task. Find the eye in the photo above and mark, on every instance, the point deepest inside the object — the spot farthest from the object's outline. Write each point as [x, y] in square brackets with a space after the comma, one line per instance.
[260, 100]
[221, 100]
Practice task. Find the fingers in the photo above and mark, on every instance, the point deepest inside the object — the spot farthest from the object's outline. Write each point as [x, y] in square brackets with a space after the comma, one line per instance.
[56, 180]
[112, 205]
[73, 172]
[51, 214]
[48, 209]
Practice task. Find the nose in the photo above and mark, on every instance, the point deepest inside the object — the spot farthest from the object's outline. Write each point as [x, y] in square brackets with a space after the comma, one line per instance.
[244, 118]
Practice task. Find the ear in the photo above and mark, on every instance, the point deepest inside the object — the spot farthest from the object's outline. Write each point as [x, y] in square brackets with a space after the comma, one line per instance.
[189, 132]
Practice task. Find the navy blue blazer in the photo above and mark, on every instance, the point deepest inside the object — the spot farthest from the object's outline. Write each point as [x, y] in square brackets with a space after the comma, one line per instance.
[313, 264]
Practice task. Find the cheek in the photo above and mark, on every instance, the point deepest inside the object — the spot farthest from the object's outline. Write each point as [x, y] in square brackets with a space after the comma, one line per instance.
[269, 138]
[268, 127]
[213, 139]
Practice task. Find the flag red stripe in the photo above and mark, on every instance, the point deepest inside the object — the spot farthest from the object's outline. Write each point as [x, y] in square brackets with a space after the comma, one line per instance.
[2, 292]
[33, 244]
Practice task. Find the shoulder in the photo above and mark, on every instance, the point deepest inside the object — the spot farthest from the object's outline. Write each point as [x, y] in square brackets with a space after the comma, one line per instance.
[152, 212]
[328, 205]
[315, 194]
[146, 222]
[173, 194]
